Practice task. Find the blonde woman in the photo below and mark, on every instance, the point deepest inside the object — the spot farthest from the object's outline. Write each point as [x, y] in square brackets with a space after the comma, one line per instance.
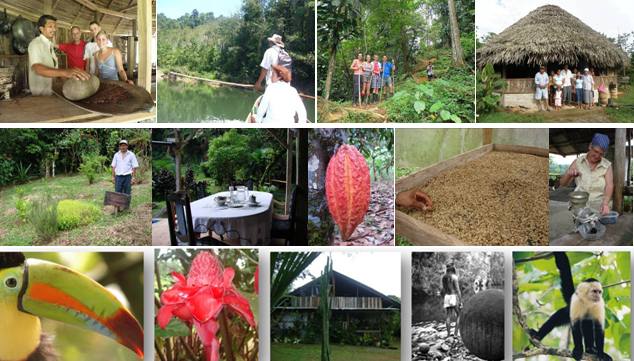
[108, 63]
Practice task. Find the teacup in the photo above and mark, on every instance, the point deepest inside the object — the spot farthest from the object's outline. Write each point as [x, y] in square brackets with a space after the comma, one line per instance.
[220, 200]
[252, 199]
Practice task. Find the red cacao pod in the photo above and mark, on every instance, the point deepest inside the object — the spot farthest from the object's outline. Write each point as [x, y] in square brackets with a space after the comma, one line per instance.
[348, 189]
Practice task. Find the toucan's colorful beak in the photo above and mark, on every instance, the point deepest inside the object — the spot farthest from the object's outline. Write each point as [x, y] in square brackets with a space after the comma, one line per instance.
[59, 293]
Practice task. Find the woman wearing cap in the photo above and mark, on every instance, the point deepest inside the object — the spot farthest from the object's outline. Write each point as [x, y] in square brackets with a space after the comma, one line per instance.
[593, 174]
[281, 102]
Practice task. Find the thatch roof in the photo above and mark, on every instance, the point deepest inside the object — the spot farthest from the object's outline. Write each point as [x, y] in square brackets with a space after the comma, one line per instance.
[550, 34]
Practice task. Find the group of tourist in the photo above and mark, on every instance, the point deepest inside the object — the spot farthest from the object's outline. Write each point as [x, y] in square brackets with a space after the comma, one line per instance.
[556, 89]
[374, 75]
[96, 57]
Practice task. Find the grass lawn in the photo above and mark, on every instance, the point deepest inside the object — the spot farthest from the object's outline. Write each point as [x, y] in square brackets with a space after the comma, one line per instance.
[291, 352]
[625, 114]
[129, 228]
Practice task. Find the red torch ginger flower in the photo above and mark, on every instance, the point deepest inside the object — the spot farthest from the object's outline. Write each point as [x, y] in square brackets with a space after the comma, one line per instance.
[200, 298]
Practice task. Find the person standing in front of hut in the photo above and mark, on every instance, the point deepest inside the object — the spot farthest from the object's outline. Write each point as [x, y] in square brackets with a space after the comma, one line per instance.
[588, 89]
[357, 66]
[567, 74]
[579, 89]
[551, 87]
[74, 50]
[43, 64]
[559, 82]
[541, 87]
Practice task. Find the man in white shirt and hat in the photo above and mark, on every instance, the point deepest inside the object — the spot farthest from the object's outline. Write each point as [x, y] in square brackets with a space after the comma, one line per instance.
[271, 57]
[43, 63]
[124, 165]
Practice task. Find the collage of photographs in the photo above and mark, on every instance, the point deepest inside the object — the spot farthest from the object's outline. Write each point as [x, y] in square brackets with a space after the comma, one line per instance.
[136, 209]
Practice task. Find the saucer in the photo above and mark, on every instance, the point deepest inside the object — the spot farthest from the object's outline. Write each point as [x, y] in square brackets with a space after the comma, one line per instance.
[253, 204]
[235, 205]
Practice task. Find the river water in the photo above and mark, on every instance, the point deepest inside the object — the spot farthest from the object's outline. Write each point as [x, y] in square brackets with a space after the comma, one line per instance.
[181, 102]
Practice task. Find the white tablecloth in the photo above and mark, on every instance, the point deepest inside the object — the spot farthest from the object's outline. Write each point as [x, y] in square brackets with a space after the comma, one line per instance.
[252, 223]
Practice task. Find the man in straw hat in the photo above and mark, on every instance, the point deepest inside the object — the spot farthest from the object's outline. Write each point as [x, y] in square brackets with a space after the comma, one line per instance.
[274, 55]
[541, 87]
[124, 165]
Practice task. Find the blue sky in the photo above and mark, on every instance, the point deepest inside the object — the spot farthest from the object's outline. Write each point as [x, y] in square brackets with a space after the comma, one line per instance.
[176, 8]
[607, 16]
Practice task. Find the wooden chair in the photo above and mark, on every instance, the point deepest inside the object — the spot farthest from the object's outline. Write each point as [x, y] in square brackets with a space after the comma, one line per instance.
[284, 225]
[201, 192]
[181, 227]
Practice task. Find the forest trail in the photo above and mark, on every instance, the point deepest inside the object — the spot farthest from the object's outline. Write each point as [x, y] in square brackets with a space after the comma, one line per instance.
[422, 68]
[332, 112]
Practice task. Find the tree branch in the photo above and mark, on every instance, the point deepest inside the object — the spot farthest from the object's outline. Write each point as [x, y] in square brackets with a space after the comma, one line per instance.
[540, 255]
[540, 349]
[616, 284]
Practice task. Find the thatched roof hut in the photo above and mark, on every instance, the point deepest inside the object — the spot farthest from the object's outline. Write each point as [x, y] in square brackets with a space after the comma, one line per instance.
[550, 34]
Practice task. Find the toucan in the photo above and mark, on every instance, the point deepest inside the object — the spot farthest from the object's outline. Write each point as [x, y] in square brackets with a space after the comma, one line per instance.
[32, 288]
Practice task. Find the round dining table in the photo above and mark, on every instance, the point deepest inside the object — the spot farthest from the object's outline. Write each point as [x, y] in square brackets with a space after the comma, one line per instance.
[251, 224]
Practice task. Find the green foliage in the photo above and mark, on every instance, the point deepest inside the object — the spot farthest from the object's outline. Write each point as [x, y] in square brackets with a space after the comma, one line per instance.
[376, 145]
[538, 279]
[420, 101]
[324, 309]
[92, 165]
[488, 82]
[231, 48]
[286, 267]
[7, 166]
[21, 204]
[227, 155]
[73, 214]
[44, 218]
[22, 173]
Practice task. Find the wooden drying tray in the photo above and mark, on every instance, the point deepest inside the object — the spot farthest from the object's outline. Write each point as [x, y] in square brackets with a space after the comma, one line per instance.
[421, 234]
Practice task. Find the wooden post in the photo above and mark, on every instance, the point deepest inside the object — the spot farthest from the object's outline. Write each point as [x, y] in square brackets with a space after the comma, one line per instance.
[289, 169]
[144, 17]
[301, 176]
[130, 60]
[48, 7]
[619, 169]
[96, 16]
[487, 134]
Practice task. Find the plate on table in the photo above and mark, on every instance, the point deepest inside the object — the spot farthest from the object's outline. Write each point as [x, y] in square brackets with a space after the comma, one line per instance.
[235, 205]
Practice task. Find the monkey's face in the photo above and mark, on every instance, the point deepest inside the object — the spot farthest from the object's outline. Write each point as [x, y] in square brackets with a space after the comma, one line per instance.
[595, 292]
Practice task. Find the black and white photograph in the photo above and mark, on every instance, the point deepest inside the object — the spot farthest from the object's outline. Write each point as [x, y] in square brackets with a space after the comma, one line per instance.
[457, 306]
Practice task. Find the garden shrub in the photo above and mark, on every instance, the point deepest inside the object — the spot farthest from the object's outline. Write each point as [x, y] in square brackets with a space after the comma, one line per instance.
[91, 166]
[7, 165]
[163, 181]
[21, 204]
[43, 217]
[73, 214]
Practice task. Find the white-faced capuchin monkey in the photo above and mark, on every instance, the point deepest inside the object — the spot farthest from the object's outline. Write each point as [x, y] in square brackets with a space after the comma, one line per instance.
[584, 311]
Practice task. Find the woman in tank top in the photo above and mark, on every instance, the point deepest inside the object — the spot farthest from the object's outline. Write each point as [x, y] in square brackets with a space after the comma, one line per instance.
[367, 77]
[108, 63]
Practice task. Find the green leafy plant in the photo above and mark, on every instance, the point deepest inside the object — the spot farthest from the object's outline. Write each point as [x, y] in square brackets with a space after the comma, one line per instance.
[22, 173]
[7, 166]
[43, 217]
[487, 83]
[22, 205]
[73, 214]
[92, 164]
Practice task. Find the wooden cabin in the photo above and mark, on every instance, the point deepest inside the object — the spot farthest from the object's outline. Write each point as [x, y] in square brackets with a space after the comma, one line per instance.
[552, 37]
[131, 25]
[352, 301]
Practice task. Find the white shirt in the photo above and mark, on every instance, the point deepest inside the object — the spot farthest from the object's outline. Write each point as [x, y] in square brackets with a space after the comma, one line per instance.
[280, 103]
[89, 53]
[124, 166]
[41, 51]
[567, 76]
[271, 57]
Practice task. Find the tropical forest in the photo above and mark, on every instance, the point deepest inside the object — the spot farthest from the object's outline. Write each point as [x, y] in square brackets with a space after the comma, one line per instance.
[213, 61]
[411, 35]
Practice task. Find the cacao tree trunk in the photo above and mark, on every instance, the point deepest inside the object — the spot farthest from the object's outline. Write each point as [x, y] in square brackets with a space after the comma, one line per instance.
[323, 142]
[331, 69]
[456, 46]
